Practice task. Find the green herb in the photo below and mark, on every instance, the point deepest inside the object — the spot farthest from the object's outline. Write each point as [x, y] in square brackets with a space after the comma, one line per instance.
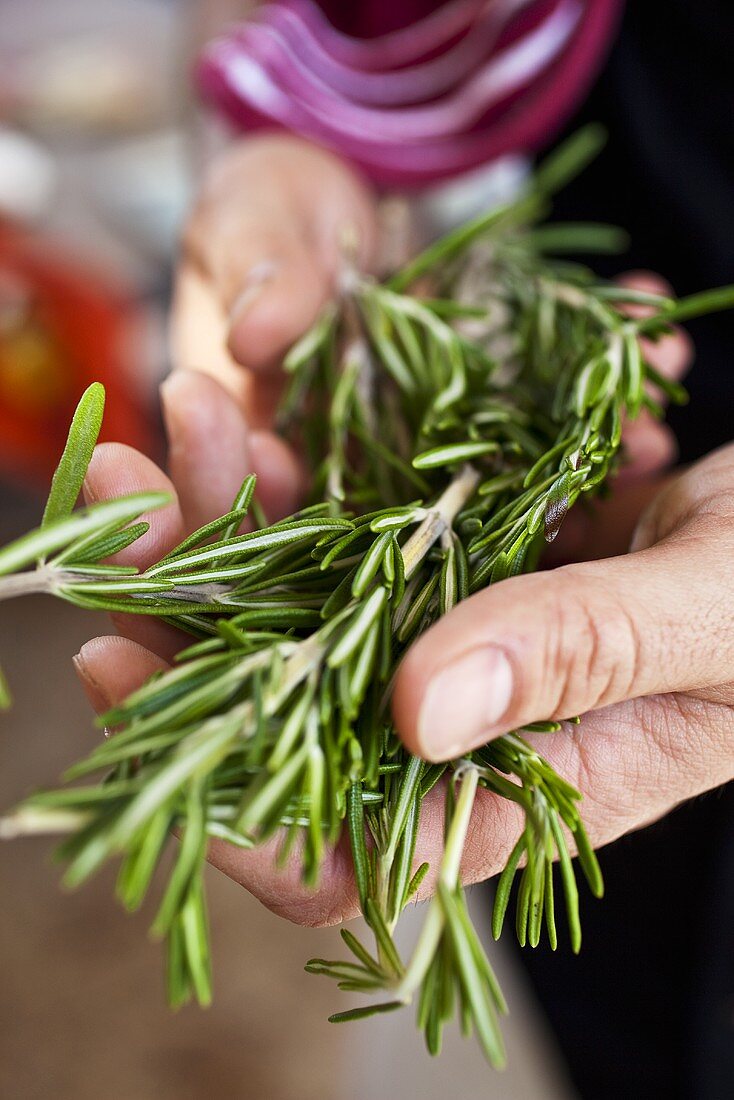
[499, 403]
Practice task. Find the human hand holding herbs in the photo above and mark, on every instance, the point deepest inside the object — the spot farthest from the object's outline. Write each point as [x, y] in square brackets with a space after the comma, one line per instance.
[259, 205]
[443, 461]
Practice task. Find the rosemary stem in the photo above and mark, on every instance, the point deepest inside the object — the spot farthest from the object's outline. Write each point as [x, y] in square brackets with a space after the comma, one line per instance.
[40, 822]
[433, 925]
[439, 518]
[26, 584]
[300, 662]
[200, 593]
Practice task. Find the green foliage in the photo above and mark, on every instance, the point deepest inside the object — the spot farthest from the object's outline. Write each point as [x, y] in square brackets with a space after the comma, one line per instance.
[498, 404]
[72, 468]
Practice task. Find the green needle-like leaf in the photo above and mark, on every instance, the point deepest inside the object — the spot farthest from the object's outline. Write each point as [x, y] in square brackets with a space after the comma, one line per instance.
[6, 699]
[74, 463]
[364, 1012]
[45, 541]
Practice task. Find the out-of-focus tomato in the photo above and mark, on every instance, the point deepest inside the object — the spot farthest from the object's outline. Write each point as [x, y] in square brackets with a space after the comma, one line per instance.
[62, 326]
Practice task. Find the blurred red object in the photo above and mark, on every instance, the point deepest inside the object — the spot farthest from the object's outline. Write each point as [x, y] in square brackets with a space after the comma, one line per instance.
[62, 326]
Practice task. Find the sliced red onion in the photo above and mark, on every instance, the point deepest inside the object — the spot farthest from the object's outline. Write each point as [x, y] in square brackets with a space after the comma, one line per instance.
[389, 51]
[513, 103]
[413, 84]
[506, 74]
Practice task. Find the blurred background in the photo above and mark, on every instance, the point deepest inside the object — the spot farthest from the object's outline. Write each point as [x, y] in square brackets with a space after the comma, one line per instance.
[96, 171]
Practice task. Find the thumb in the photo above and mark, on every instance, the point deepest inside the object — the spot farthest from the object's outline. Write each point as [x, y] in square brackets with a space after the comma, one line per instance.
[560, 643]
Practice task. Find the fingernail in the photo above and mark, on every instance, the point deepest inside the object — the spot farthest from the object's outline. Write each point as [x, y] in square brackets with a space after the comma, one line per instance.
[92, 690]
[89, 491]
[257, 277]
[464, 702]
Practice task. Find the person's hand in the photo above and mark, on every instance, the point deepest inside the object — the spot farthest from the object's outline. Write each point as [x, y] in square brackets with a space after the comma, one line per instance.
[642, 645]
[228, 268]
[260, 256]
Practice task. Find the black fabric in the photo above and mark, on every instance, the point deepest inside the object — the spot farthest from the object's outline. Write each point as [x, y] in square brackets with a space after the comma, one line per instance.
[666, 97]
[647, 1009]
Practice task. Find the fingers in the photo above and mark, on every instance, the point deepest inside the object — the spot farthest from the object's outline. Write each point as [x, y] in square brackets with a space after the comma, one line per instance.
[633, 762]
[281, 482]
[605, 528]
[266, 237]
[636, 761]
[649, 445]
[672, 355]
[698, 505]
[211, 451]
[281, 888]
[117, 470]
[110, 667]
[575, 639]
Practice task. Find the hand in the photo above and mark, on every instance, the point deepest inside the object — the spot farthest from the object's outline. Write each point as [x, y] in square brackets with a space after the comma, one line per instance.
[642, 645]
[260, 255]
[259, 259]
[211, 445]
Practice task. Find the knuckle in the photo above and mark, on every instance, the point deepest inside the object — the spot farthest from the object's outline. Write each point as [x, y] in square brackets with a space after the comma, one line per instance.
[594, 650]
[225, 191]
[222, 172]
[672, 355]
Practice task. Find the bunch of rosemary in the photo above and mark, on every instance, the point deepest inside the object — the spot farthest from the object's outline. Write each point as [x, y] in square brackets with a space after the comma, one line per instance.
[449, 437]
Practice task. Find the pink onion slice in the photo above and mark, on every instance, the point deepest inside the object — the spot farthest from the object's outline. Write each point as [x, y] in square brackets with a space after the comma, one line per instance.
[413, 84]
[505, 74]
[394, 50]
[500, 109]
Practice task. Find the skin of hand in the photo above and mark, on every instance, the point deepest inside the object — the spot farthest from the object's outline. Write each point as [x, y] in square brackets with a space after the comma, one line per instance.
[641, 641]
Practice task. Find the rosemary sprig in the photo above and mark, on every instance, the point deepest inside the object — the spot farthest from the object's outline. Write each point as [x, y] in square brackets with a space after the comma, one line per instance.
[449, 437]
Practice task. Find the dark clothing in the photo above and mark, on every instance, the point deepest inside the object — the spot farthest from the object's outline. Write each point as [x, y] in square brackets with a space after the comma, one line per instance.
[647, 1009]
[666, 97]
